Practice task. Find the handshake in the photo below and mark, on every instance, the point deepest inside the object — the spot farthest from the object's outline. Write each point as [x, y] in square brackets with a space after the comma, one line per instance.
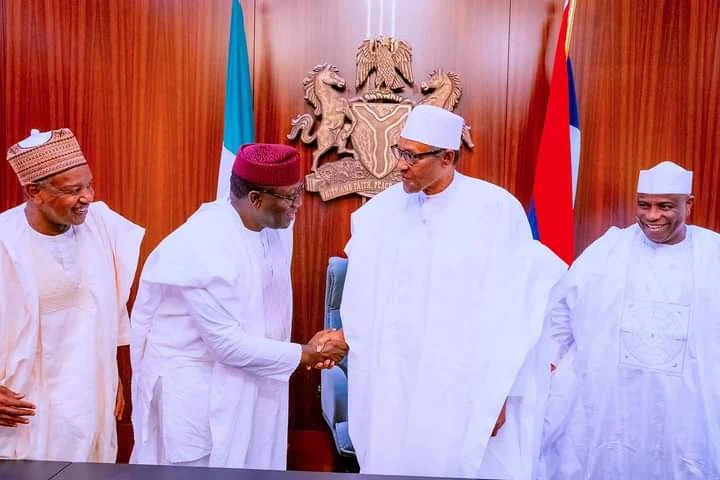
[324, 349]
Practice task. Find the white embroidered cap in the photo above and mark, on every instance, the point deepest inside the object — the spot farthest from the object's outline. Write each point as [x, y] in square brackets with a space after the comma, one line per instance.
[44, 154]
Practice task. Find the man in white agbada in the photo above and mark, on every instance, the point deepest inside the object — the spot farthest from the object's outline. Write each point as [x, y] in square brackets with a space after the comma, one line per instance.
[636, 394]
[443, 307]
[211, 351]
[66, 266]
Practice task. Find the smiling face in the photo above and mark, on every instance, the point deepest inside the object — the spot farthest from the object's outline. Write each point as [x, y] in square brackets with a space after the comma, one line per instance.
[61, 200]
[276, 207]
[662, 217]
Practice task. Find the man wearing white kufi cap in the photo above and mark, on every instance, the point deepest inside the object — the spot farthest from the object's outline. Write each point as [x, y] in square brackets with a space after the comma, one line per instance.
[66, 266]
[636, 393]
[443, 306]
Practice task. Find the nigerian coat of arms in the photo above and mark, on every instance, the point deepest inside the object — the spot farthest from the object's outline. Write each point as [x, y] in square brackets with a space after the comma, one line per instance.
[363, 128]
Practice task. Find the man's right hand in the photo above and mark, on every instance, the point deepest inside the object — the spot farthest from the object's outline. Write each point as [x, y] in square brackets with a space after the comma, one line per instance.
[13, 409]
[324, 349]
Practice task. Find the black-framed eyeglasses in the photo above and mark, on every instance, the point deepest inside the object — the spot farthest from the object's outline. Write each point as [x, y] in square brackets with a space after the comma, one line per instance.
[289, 198]
[411, 158]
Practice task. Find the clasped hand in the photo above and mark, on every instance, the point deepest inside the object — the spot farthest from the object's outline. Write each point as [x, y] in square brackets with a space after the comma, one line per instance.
[324, 349]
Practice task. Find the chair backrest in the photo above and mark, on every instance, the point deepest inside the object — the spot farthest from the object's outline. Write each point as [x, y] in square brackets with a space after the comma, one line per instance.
[333, 381]
[335, 280]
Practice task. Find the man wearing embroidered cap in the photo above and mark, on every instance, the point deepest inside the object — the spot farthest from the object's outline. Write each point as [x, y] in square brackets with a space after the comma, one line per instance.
[211, 350]
[636, 393]
[442, 308]
[66, 267]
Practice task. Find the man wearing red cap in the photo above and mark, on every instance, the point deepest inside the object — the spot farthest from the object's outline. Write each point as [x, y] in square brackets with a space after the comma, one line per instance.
[66, 266]
[211, 349]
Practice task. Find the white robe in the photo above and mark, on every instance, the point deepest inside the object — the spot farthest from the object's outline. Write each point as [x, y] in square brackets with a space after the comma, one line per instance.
[210, 345]
[443, 304]
[637, 391]
[62, 316]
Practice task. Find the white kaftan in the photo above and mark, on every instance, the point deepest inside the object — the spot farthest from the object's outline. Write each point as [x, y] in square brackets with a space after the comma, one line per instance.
[62, 316]
[443, 307]
[637, 391]
[211, 349]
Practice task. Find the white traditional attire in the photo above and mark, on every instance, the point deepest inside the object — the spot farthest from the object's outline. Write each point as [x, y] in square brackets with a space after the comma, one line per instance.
[636, 394]
[62, 316]
[210, 348]
[443, 307]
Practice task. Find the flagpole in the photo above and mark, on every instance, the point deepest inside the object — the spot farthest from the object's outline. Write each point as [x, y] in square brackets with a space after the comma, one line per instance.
[571, 18]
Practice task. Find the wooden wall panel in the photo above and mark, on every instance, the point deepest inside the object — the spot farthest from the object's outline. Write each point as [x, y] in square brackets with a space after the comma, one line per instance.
[142, 83]
[648, 77]
[534, 28]
[8, 193]
[248, 9]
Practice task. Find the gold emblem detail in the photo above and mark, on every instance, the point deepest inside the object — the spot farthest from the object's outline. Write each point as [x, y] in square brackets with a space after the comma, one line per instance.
[371, 122]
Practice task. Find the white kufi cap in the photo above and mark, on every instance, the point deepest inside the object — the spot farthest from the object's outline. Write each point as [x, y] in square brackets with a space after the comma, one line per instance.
[434, 126]
[665, 177]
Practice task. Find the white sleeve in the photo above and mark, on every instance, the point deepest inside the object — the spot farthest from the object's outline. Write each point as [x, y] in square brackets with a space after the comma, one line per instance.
[568, 297]
[230, 344]
[560, 327]
[124, 332]
[560, 324]
[125, 238]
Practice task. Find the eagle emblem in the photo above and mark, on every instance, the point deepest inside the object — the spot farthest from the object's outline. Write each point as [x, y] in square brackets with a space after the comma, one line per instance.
[362, 129]
[389, 59]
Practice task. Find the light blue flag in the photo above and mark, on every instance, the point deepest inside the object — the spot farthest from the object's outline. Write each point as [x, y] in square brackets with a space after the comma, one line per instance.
[239, 123]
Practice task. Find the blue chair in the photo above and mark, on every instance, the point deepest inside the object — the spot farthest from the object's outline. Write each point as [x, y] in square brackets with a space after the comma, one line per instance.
[333, 381]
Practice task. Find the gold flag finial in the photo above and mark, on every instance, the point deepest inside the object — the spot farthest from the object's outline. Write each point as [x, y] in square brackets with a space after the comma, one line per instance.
[571, 18]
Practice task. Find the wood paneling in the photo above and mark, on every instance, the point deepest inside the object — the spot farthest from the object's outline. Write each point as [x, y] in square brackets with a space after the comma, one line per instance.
[8, 195]
[534, 28]
[141, 83]
[648, 77]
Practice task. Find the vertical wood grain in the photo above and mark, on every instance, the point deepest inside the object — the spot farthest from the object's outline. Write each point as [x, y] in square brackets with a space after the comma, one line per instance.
[142, 85]
[142, 82]
[648, 77]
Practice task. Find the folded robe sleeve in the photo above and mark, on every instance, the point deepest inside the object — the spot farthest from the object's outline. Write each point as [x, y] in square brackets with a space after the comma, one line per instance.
[230, 344]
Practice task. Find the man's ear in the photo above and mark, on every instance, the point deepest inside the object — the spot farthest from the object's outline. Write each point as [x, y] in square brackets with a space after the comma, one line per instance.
[689, 204]
[32, 193]
[255, 199]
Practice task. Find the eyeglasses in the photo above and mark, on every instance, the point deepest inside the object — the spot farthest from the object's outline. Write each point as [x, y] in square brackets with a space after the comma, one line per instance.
[411, 158]
[289, 198]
